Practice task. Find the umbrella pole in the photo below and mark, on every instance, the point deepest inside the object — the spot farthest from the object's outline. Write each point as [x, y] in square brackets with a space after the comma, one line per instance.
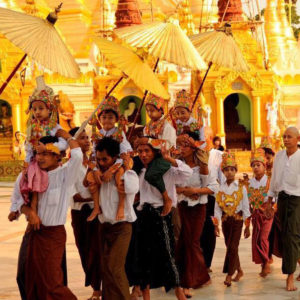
[201, 85]
[141, 106]
[113, 88]
[6, 82]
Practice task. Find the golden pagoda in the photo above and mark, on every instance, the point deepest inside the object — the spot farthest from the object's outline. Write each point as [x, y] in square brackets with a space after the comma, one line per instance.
[248, 105]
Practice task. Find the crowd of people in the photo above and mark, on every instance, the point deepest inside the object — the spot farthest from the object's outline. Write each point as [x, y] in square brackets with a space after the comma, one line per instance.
[146, 215]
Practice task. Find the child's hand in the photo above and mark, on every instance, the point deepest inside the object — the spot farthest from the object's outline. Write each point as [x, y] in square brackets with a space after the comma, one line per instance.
[97, 176]
[108, 174]
[13, 215]
[63, 134]
[217, 231]
[247, 232]
[34, 220]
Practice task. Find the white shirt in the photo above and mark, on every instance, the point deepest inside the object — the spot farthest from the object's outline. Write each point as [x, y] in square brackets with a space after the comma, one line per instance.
[188, 123]
[197, 180]
[62, 144]
[175, 175]
[168, 134]
[124, 145]
[216, 176]
[285, 174]
[53, 204]
[16, 196]
[254, 183]
[243, 205]
[80, 189]
[109, 198]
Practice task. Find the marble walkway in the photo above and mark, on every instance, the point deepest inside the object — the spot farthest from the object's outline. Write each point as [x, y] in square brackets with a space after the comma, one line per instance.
[250, 287]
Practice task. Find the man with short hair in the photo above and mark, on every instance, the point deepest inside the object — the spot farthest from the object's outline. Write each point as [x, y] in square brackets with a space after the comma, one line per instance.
[46, 245]
[285, 183]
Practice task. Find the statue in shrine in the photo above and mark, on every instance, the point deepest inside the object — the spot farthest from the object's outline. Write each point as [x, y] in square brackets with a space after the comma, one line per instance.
[272, 119]
[131, 111]
[19, 146]
[6, 128]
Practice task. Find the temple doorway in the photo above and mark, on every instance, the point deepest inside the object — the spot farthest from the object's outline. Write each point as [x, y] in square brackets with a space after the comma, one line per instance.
[237, 118]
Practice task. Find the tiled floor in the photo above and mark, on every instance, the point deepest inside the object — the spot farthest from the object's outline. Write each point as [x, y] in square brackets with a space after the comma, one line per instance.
[250, 287]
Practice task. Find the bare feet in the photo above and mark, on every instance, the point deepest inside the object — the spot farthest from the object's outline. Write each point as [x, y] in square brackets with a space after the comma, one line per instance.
[96, 295]
[238, 276]
[180, 294]
[136, 293]
[96, 211]
[227, 281]
[298, 278]
[265, 270]
[270, 260]
[290, 283]
[209, 270]
[120, 213]
[146, 294]
[187, 293]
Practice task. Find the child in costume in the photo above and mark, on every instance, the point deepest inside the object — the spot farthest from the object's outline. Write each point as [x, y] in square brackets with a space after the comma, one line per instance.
[266, 145]
[232, 207]
[185, 122]
[261, 221]
[164, 135]
[42, 121]
[109, 115]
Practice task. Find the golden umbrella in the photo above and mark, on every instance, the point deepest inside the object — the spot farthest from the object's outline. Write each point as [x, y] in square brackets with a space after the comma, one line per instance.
[133, 66]
[39, 39]
[219, 47]
[164, 41]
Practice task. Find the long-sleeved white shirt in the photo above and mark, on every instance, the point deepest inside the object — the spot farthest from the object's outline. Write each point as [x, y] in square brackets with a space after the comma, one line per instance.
[243, 205]
[285, 174]
[109, 198]
[53, 204]
[168, 134]
[197, 180]
[62, 144]
[80, 189]
[254, 183]
[214, 167]
[174, 176]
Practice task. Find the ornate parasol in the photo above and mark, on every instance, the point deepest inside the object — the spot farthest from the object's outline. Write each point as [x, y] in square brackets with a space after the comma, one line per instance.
[164, 41]
[219, 47]
[39, 39]
[133, 66]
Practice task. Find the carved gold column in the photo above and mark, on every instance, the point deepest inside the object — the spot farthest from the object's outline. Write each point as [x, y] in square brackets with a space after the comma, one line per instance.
[16, 112]
[220, 116]
[257, 134]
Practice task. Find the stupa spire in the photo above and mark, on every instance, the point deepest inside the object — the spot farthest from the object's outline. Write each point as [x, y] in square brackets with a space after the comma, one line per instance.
[128, 13]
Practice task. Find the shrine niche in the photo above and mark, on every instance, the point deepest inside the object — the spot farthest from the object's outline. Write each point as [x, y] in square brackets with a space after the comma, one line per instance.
[6, 127]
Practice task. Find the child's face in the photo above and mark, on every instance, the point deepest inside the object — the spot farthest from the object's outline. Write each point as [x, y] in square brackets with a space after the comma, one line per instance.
[104, 160]
[153, 113]
[182, 114]
[217, 142]
[40, 111]
[269, 157]
[258, 168]
[229, 173]
[108, 120]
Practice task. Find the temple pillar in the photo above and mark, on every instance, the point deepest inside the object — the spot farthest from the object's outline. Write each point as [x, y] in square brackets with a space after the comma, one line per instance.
[220, 117]
[16, 113]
